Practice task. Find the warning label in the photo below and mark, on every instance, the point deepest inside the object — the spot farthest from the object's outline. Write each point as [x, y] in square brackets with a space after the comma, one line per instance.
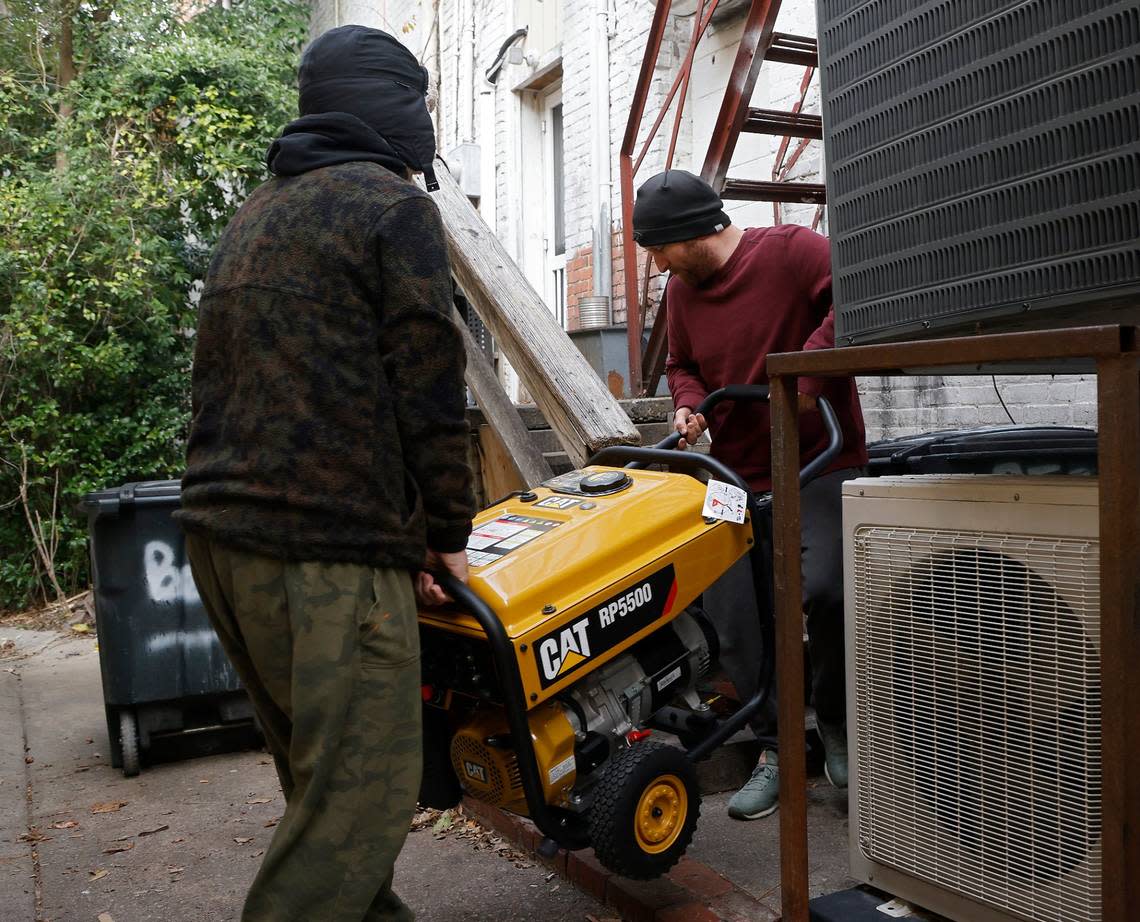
[493, 540]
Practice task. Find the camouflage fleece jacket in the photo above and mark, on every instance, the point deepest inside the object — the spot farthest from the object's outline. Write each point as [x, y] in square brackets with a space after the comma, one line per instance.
[328, 400]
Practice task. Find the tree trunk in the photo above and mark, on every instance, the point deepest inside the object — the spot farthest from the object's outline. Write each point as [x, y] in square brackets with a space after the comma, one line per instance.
[66, 74]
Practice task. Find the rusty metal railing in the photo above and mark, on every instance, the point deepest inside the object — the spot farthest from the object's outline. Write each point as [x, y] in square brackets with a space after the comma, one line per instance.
[645, 368]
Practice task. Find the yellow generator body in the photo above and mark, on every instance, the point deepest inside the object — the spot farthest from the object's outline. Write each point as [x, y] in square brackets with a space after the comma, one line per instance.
[578, 577]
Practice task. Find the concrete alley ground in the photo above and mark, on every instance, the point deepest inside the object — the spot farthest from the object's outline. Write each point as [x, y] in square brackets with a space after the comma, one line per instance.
[81, 843]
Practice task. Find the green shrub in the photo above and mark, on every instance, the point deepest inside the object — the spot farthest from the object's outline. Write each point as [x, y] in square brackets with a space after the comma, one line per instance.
[108, 215]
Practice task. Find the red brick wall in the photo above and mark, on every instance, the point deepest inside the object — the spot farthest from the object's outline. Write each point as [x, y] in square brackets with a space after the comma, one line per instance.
[580, 281]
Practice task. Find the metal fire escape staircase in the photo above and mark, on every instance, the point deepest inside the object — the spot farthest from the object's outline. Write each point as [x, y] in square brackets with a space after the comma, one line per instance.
[759, 43]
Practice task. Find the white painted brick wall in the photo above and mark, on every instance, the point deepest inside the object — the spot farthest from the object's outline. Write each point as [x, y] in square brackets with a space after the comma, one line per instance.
[894, 406]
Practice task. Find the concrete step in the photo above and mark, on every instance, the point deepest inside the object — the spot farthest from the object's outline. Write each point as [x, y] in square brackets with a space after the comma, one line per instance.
[547, 440]
[640, 410]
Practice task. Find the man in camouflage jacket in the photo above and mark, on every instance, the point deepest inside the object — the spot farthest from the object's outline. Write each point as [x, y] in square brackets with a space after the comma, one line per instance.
[326, 469]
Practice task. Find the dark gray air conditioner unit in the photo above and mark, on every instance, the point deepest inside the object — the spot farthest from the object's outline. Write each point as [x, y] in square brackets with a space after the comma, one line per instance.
[983, 164]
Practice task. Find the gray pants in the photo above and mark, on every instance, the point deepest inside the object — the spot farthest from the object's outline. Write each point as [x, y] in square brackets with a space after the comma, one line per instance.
[731, 604]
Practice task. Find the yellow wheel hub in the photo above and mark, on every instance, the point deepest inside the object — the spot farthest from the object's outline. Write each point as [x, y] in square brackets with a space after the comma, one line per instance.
[661, 814]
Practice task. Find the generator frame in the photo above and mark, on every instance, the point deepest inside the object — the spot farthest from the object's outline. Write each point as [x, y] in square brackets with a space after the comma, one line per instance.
[564, 828]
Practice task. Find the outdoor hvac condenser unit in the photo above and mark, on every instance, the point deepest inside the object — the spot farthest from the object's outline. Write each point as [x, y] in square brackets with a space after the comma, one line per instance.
[983, 164]
[974, 693]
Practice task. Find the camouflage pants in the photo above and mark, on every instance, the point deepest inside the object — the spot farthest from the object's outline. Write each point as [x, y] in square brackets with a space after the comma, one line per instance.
[330, 656]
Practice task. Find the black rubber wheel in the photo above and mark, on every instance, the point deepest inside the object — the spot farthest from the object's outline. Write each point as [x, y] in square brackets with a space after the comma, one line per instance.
[129, 742]
[645, 810]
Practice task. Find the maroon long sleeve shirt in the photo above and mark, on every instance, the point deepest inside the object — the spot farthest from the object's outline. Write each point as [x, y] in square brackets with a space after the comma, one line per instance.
[773, 295]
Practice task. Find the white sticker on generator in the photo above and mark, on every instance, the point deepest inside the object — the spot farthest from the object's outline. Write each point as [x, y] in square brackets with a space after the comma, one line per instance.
[724, 501]
[668, 679]
[562, 769]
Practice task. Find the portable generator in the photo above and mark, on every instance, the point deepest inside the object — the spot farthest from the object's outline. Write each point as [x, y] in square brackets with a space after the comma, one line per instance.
[577, 636]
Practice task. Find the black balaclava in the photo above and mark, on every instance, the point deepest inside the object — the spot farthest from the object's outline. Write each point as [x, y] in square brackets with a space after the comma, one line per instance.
[674, 206]
[362, 97]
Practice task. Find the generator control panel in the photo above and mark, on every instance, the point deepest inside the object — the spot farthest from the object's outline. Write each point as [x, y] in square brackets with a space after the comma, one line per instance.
[590, 483]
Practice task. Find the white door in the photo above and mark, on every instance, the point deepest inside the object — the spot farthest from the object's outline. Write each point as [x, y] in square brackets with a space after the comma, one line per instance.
[554, 187]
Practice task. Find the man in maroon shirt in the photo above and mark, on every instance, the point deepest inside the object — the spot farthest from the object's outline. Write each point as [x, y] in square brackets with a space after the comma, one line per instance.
[734, 297]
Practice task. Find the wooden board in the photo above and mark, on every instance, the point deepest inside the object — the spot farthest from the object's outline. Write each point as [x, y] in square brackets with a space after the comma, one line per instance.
[530, 467]
[574, 400]
[500, 476]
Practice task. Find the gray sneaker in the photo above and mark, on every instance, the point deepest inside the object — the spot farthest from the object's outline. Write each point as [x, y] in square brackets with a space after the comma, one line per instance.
[834, 738]
[760, 795]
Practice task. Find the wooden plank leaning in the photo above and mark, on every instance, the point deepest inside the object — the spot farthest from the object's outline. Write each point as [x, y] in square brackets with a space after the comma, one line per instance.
[576, 403]
[502, 415]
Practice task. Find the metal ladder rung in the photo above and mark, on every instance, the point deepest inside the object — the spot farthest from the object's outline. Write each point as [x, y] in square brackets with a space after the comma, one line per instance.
[793, 49]
[751, 190]
[788, 124]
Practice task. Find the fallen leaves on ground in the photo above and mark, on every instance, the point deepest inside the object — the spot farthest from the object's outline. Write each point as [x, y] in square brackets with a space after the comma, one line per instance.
[113, 806]
[66, 824]
[243, 840]
[259, 800]
[151, 832]
[173, 870]
[273, 822]
[34, 836]
[81, 628]
[106, 917]
[455, 824]
[120, 847]
[93, 876]
[7, 648]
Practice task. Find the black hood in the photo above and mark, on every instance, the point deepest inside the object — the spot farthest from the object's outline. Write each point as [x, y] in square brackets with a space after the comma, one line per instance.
[326, 139]
[355, 78]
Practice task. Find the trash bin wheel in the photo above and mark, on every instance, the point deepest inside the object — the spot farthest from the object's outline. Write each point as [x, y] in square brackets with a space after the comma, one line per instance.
[129, 742]
[645, 810]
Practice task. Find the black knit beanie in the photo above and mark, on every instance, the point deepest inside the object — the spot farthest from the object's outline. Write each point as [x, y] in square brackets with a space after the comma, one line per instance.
[675, 206]
[368, 73]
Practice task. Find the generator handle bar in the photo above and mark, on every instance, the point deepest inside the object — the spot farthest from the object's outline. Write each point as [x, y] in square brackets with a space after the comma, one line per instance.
[752, 392]
[664, 452]
[685, 461]
[561, 826]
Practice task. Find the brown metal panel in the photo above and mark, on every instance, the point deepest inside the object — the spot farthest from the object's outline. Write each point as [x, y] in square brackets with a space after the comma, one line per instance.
[1118, 424]
[789, 649]
[734, 109]
[894, 358]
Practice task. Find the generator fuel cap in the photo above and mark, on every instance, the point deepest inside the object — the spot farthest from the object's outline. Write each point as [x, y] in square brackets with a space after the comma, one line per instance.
[605, 482]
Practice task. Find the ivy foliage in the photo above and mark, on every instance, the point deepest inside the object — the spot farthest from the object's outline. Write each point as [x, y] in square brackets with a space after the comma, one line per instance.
[120, 165]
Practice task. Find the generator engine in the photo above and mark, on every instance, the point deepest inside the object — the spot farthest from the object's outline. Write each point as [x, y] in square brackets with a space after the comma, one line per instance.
[576, 733]
[625, 693]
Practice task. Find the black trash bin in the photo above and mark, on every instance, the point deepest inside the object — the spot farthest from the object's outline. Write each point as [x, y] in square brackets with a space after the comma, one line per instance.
[1034, 450]
[164, 671]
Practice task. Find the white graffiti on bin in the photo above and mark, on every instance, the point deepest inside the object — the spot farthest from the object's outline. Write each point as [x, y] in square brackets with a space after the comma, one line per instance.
[184, 641]
[165, 581]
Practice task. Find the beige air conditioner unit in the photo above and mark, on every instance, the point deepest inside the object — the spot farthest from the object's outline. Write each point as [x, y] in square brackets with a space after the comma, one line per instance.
[974, 701]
